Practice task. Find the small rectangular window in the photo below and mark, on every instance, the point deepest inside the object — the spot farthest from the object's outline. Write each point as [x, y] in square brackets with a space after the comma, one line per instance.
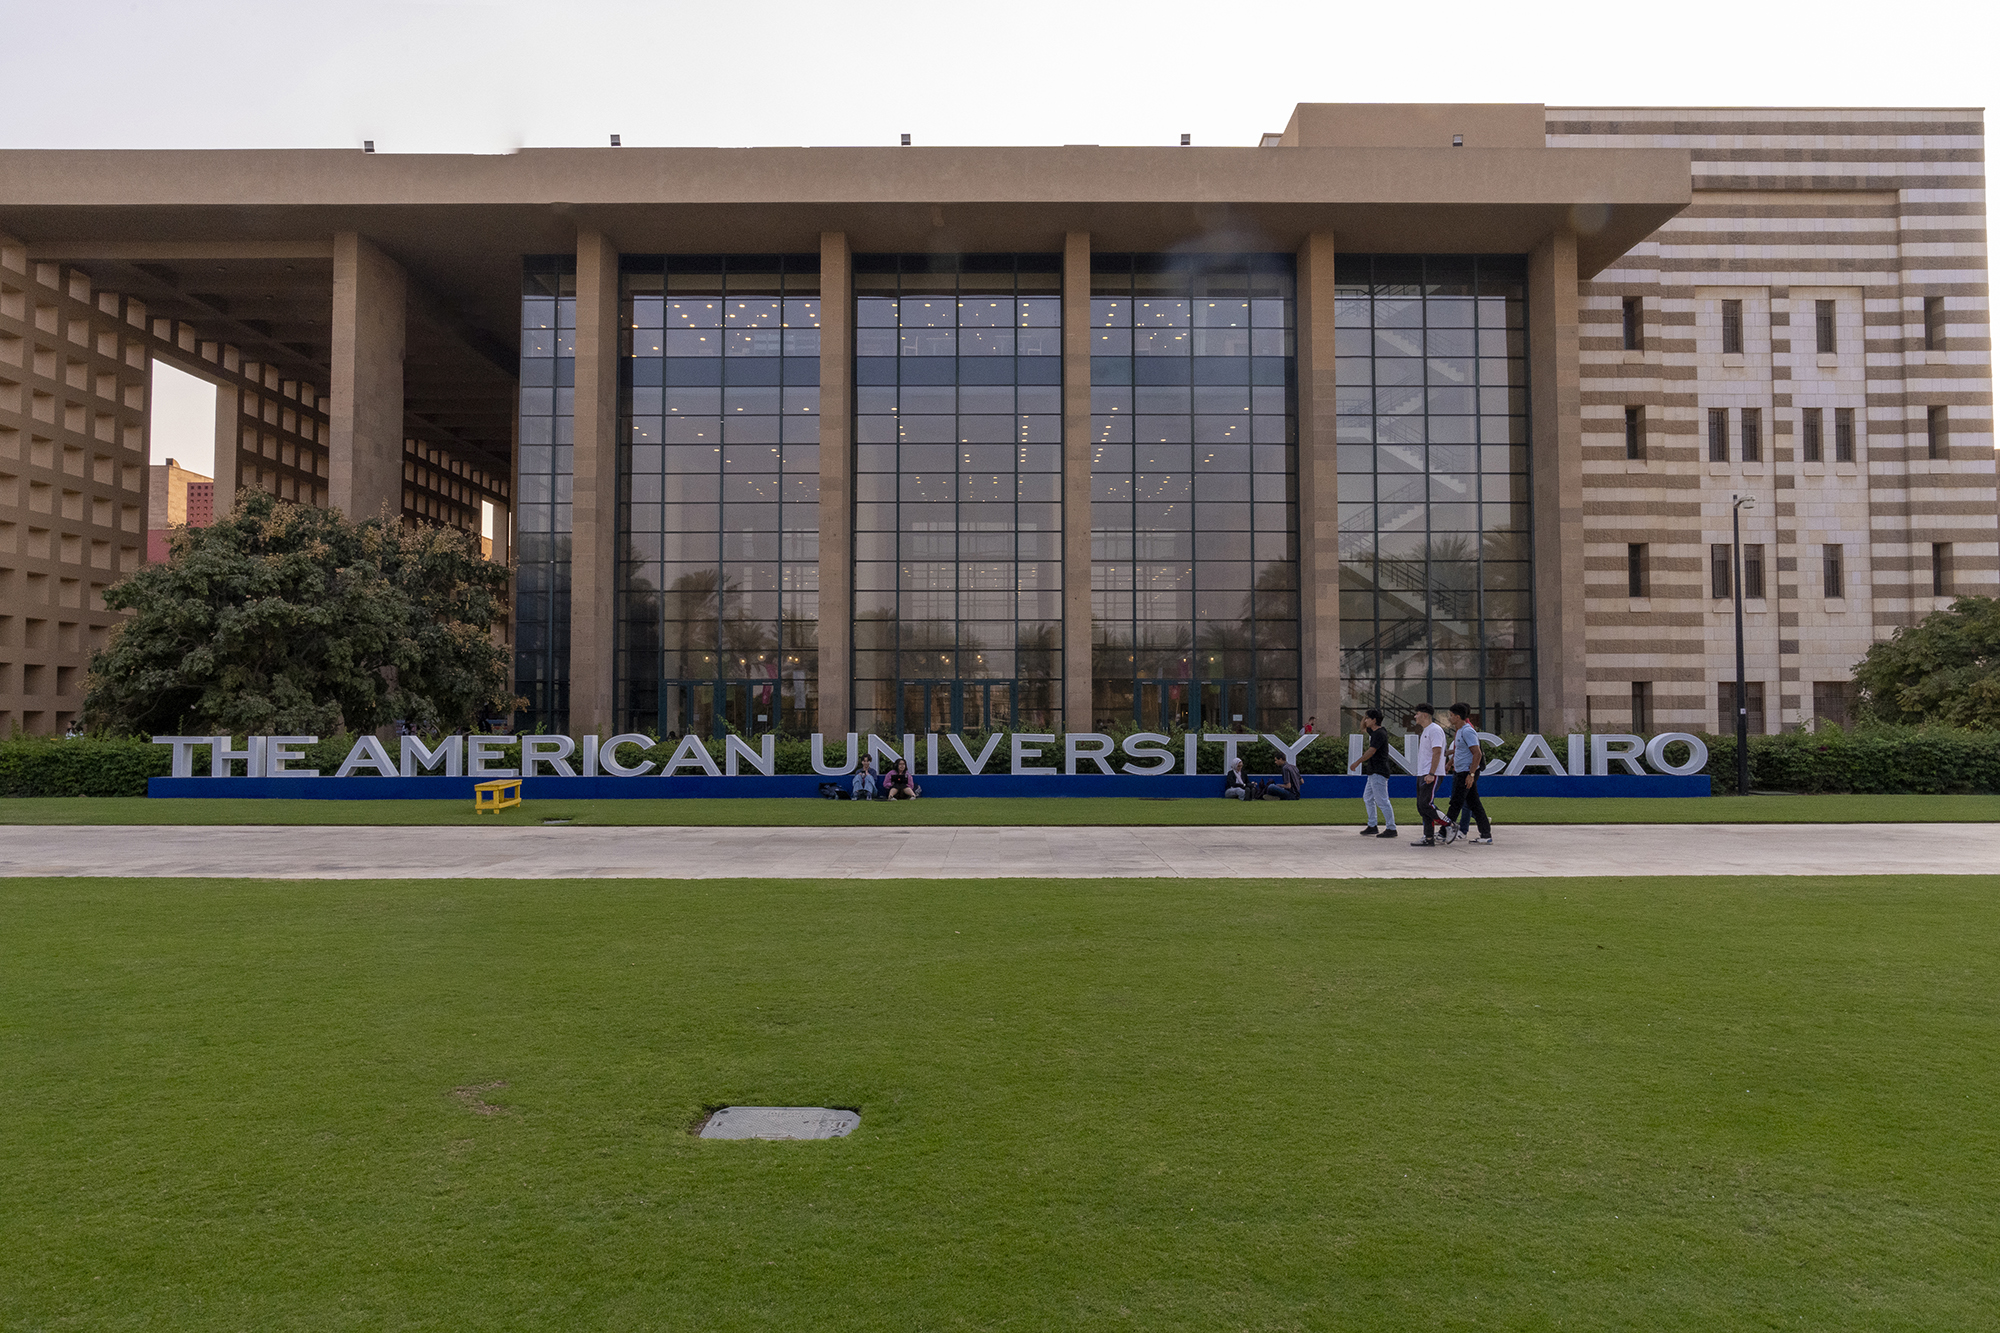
[1830, 701]
[1933, 323]
[1823, 327]
[1635, 432]
[1753, 573]
[1940, 569]
[1753, 707]
[1718, 435]
[1634, 323]
[1718, 571]
[1812, 436]
[1732, 326]
[1940, 432]
[1753, 435]
[1635, 569]
[1843, 435]
[1832, 577]
[1642, 707]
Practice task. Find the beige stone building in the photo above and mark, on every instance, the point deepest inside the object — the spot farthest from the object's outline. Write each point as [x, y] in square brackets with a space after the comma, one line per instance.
[1404, 402]
[175, 498]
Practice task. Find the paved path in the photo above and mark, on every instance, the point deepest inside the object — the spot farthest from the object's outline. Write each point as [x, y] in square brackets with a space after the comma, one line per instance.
[969, 853]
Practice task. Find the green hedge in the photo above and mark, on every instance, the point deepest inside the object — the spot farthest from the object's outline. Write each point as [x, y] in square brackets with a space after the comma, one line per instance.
[85, 766]
[1871, 760]
[1868, 760]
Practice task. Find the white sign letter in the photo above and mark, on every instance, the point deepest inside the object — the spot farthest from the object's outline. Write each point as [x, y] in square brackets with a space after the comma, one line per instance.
[1023, 750]
[973, 766]
[1291, 752]
[765, 760]
[1535, 753]
[183, 751]
[483, 750]
[220, 756]
[1149, 745]
[1230, 740]
[607, 755]
[1089, 746]
[690, 753]
[368, 753]
[416, 758]
[551, 750]
[1656, 753]
[282, 750]
[819, 756]
[1613, 748]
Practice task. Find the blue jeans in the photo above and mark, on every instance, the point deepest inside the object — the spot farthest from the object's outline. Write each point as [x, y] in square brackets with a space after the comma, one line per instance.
[1375, 800]
[865, 787]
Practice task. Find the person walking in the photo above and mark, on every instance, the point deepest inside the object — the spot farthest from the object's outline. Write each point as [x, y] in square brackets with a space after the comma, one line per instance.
[1430, 771]
[1374, 766]
[1466, 759]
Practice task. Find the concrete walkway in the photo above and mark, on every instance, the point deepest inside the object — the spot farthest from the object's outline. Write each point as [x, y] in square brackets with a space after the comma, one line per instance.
[973, 853]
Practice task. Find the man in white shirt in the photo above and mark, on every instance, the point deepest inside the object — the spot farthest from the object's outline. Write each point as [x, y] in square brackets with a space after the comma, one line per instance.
[1430, 770]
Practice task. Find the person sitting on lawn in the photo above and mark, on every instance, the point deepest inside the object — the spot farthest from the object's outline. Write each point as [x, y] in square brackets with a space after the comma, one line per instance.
[900, 785]
[866, 788]
[1236, 787]
[1290, 785]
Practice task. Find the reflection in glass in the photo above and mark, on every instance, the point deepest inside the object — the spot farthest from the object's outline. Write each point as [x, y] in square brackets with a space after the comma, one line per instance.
[718, 587]
[542, 517]
[1432, 404]
[1194, 569]
[958, 490]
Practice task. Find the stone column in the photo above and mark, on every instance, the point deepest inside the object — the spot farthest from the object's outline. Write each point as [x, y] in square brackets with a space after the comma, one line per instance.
[836, 484]
[365, 452]
[1076, 638]
[1319, 491]
[228, 446]
[1556, 461]
[594, 512]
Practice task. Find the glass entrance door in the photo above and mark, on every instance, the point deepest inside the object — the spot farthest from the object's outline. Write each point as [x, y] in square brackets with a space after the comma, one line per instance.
[716, 707]
[955, 705]
[1163, 705]
[1222, 705]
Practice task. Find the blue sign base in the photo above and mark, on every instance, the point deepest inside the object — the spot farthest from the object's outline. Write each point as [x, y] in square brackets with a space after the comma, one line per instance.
[697, 786]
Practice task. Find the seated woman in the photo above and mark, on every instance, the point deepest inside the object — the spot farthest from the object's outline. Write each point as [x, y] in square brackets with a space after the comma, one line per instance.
[1235, 786]
[899, 783]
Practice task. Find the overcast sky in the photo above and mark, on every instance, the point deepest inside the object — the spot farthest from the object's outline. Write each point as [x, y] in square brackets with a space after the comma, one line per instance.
[492, 75]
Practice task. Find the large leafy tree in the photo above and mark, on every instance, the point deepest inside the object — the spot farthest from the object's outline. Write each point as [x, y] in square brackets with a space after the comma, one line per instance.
[1946, 669]
[287, 619]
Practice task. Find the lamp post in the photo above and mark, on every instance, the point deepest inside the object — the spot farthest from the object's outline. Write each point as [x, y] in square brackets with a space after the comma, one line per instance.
[1737, 504]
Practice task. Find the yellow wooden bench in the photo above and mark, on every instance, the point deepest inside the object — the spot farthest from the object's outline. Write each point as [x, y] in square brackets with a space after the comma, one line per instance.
[491, 797]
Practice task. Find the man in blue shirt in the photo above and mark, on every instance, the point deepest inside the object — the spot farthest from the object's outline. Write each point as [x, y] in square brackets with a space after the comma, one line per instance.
[1466, 760]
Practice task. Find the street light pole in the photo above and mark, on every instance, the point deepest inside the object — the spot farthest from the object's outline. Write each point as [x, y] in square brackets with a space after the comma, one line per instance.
[1738, 503]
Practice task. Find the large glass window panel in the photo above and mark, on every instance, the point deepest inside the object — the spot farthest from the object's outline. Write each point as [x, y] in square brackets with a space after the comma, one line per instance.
[542, 527]
[1434, 575]
[1191, 362]
[718, 613]
[958, 510]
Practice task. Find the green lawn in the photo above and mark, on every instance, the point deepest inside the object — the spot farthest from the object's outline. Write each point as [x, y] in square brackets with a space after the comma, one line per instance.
[762, 811]
[1655, 1104]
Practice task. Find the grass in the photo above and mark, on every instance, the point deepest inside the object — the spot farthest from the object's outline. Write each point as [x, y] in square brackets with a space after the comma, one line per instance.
[1121, 810]
[1668, 1104]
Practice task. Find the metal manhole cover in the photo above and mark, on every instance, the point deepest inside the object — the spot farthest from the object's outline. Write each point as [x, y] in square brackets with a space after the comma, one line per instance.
[780, 1122]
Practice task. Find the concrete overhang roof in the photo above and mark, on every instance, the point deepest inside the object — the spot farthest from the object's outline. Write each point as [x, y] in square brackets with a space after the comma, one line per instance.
[245, 237]
[436, 211]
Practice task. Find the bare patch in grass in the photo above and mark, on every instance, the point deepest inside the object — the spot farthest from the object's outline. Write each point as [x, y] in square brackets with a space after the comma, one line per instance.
[468, 1096]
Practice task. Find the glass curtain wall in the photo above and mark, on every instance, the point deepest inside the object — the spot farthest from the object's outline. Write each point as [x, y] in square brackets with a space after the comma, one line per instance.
[543, 471]
[1194, 510]
[958, 492]
[1432, 407]
[718, 506]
